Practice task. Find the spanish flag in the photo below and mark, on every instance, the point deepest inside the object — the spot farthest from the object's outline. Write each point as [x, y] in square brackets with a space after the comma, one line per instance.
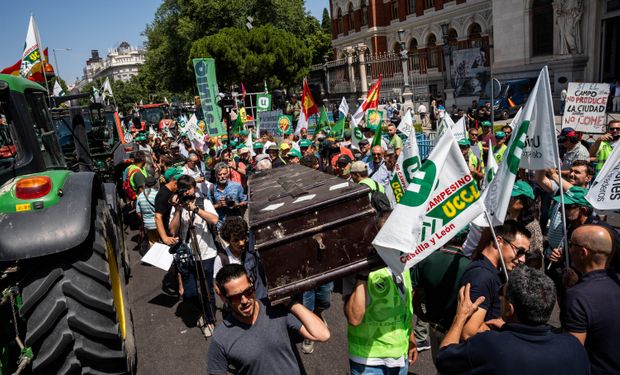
[308, 108]
[372, 101]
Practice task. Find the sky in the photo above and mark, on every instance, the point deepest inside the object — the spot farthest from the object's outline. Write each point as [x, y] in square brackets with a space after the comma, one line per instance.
[83, 25]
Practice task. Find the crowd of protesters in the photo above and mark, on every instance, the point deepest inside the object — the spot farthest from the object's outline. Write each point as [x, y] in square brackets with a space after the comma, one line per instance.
[457, 302]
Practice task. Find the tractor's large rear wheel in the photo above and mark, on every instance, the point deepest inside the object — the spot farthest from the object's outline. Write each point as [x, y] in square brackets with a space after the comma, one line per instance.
[76, 308]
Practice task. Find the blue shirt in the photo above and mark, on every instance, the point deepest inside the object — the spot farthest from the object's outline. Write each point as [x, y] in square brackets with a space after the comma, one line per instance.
[485, 281]
[515, 349]
[145, 206]
[232, 190]
[593, 306]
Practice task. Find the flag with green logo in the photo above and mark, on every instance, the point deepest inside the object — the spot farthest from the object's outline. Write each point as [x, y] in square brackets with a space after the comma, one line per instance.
[206, 82]
[497, 194]
[407, 164]
[441, 199]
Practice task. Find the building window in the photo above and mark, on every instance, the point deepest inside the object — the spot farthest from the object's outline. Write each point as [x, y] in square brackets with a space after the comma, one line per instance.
[428, 4]
[396, 48]
[351, 16]
[474, 34]
[339, 23]
[411, 6]
[452, 38]
[364, 12]
[434, 52]
[542, 27]
[394, 7]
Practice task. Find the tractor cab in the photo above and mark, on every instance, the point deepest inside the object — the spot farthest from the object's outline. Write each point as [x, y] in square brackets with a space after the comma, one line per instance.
[28, 142]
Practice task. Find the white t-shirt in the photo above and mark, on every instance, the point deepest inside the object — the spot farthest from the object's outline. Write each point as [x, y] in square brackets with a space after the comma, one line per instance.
[217, 265]
[422, 108]
[203, 236]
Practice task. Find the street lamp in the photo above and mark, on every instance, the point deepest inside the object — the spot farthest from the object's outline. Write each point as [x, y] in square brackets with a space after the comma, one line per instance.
[56, 60]
[447, 51]
[407, 94]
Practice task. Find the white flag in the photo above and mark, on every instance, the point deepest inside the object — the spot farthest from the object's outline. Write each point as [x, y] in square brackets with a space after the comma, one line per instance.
[33, 53]
[516, 118]
[344, 107]
[250, 144]
[406, 123]
[459, 129]
[490, 168]
[407, 164]
[541, 148]
[106, 89]
[441, 199]
[604, 193]
[302, 123]
[58, 90]
[498, 192]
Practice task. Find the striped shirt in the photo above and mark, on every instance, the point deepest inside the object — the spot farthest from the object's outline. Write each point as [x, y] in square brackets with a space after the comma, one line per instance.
[146, 208]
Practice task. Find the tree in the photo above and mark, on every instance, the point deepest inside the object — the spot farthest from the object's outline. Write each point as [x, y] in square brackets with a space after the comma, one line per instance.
[179, 25]
[263, 53]
[326, 22]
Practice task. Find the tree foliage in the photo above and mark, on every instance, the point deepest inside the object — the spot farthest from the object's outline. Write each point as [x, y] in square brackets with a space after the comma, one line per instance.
[181, 30]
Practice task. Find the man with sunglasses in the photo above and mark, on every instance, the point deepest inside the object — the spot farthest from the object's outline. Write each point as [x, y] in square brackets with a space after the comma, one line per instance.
[604, 145]
[254, 338]
[591, 307]
[484, 272]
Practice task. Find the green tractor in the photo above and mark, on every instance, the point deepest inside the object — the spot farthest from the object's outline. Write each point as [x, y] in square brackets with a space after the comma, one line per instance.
[63, 305]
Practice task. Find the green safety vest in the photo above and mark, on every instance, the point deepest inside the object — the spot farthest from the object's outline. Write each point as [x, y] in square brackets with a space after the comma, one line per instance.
[604, 150]
[473, 160]
[371, 184]
[384, 331]
[499, 155]
[130, 169]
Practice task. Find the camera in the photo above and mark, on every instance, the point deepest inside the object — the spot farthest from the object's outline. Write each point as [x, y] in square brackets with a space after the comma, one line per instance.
[183, 197]
[230, 202]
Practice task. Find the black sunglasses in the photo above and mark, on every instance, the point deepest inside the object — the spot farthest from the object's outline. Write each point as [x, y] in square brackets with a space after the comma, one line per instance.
[519, 251]
[236, 298]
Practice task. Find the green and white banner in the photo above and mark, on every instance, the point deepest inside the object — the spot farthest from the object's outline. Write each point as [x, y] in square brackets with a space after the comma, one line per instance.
[441, 199]
[263, 102]
[490, 168]
[408, 163]
[208, 91]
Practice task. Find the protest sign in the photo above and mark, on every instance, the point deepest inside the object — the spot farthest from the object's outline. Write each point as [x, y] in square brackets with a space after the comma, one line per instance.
[268, 121]
[285, 124]
[263, 102]
[604, 193]
[585, 107]
[375, 118]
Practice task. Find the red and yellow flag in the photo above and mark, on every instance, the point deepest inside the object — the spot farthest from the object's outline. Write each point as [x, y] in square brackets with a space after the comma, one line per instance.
[372, 99]
[308, 106]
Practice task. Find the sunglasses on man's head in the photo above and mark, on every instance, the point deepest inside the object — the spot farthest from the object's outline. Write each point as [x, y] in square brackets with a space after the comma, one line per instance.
[236, 298]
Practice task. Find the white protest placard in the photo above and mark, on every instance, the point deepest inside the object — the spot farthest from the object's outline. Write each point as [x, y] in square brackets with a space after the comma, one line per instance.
[585, 107]
[604, 193]
[159, 256]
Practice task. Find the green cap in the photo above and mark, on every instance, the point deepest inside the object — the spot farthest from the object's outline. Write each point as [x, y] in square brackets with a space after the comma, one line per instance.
[173, 173]
[294, 153]
[575, 195]
[464, 142]
[257, 145]
[500, 134]
[522, 188]
[233, 142]
[243, 132]
[305, 143]
[140, 137]
[240, 146]
[487, 123]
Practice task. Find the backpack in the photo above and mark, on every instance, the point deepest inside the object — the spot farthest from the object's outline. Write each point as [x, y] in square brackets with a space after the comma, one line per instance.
[379, 200]
[129, 191]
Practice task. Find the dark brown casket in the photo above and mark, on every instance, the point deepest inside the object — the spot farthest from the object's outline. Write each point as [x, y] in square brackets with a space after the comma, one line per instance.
[309, 228]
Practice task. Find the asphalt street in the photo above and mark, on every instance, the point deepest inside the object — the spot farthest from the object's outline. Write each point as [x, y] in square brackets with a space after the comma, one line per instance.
[168, 341]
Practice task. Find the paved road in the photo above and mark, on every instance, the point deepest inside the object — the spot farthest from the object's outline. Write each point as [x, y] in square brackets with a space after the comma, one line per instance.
[168, 341]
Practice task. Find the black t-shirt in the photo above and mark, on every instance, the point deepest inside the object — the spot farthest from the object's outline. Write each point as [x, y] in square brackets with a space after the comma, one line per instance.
[163, 206]
[485, 281]
[593, 306]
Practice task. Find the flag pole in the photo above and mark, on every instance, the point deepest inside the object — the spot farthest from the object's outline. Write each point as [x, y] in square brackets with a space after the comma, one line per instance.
[41, 51]
[499, 250]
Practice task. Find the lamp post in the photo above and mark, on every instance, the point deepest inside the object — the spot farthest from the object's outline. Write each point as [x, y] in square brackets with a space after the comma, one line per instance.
[56, 60]
[447, 51]
[407, 93]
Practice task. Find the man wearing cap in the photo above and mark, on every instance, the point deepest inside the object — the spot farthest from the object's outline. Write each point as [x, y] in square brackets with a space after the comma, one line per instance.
[136, 173]
[258, 147]
[164, 200]
[475, 167]
[343, 166]
[306, 147]
[273, 153]
[359, 174]
[591, 307]
[294, 156]
[570, 140]
[175, 154]
[500, 146]
[487, 134]
[364, 148]
[604, 145]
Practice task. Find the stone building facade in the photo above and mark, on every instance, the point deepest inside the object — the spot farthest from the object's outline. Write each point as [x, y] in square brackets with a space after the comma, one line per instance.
[502, 39]
[121, 63]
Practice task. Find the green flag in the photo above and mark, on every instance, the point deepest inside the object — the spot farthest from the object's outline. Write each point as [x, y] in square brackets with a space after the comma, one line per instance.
[338, 128]
[376, 140]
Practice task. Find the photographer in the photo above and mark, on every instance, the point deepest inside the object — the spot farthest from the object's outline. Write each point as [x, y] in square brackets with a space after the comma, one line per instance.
[227, 196]
[199, 213]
